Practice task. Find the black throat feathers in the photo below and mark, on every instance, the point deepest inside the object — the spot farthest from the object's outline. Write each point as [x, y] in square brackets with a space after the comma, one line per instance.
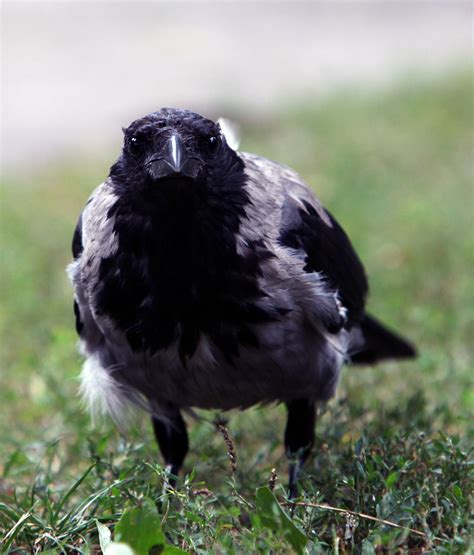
[177, 272]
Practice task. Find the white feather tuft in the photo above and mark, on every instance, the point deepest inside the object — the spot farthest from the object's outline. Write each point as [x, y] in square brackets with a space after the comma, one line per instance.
[72, 270]
[103, 395]
[231, 132]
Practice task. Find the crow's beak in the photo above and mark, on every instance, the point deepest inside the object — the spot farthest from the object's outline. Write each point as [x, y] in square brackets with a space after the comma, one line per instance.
[173, 161]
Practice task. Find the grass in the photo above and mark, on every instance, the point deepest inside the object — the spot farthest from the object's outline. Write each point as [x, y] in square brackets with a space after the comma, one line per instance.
[395, 167]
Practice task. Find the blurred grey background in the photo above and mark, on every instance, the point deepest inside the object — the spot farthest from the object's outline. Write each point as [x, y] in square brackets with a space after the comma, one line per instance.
[74, 72]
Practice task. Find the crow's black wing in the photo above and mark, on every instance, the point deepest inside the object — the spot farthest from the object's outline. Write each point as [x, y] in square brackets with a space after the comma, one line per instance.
[77, 249]
[307, 227]
[77, 246]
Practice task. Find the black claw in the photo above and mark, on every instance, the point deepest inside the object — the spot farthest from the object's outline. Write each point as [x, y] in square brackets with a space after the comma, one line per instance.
[171, 478]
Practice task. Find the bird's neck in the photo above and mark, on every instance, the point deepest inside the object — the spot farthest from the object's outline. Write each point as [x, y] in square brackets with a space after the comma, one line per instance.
[181, 226]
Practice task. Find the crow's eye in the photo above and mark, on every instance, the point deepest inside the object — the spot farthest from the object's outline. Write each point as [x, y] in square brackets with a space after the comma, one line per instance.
[136, 145]
[213, 144]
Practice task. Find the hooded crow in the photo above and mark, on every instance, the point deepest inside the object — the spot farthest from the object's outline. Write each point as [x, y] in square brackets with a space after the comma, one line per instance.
[211, 278]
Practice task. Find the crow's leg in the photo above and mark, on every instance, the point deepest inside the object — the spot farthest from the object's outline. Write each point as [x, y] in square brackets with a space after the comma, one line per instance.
[299, 438]
[171, 435]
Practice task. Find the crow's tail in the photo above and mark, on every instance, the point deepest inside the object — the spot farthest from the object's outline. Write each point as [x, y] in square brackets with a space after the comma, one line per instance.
[378, 343]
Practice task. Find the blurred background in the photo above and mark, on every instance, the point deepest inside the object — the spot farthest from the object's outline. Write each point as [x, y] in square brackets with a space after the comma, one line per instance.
[372, 102]
[74, 72]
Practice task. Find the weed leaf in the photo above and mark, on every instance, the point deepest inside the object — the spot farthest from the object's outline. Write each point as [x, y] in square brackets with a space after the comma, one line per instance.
[272, 516]
[140, 528]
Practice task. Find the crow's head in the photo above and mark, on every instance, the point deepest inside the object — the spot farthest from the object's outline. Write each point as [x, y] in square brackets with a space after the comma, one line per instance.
[174, 148]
